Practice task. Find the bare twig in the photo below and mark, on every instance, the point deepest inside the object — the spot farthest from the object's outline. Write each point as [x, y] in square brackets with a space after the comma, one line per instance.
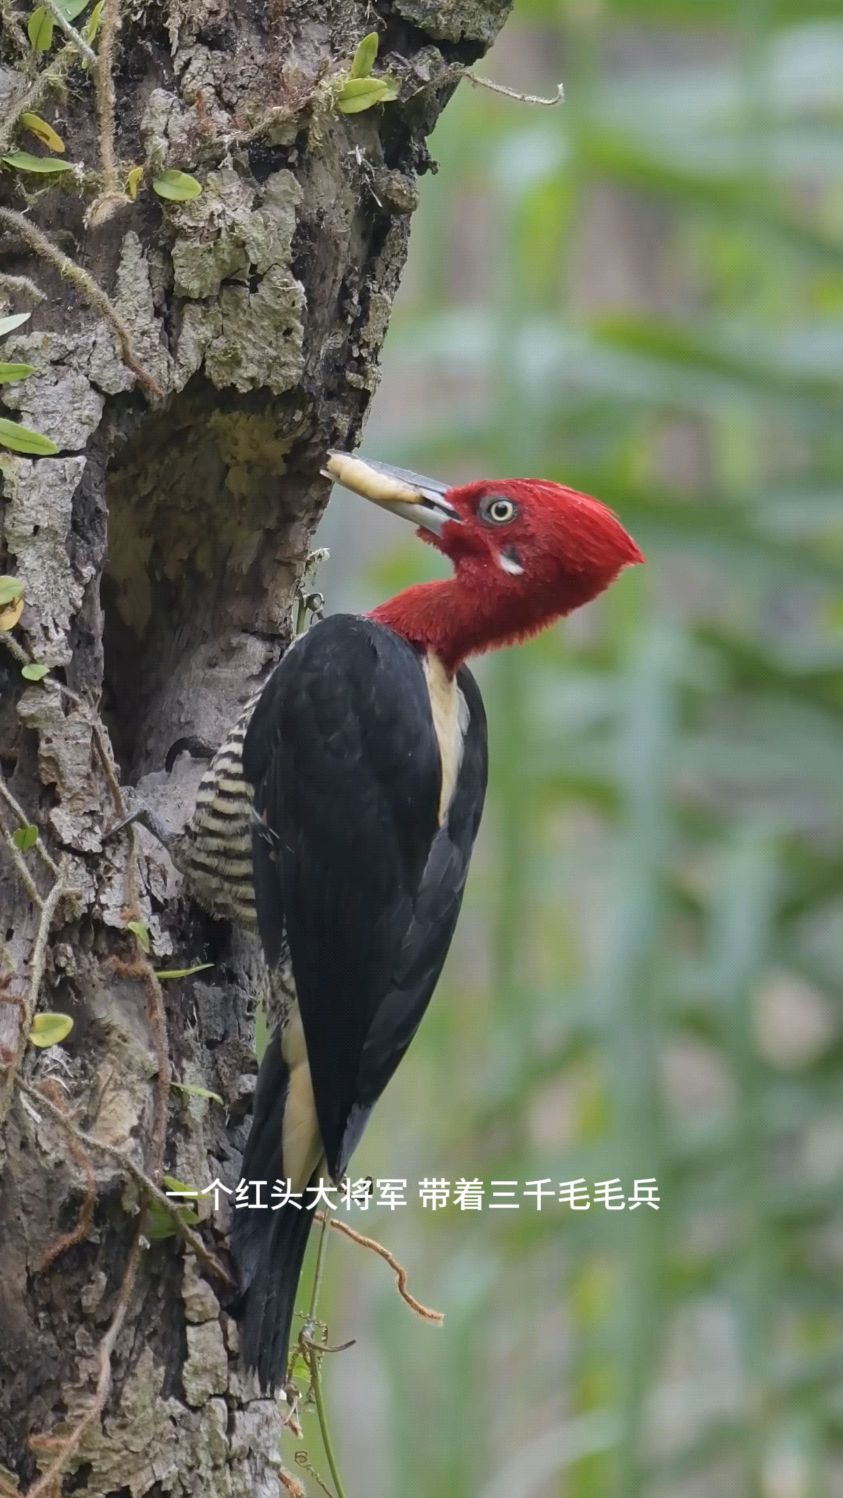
[24, 875]
[21, 285]
[14, 648]
[86, 1212]
[23, 821]
[303, 1460]
[78, 41]
[513, 93]
[158, 1020]
[107, 763]
[37, 961]
[138, 1174]
[116, 792]
[88, 287]
[39, 950]
[105, 95]
[426, 1312]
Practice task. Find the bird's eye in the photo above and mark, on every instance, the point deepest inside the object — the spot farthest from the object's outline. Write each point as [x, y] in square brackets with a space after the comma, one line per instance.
[499, 510]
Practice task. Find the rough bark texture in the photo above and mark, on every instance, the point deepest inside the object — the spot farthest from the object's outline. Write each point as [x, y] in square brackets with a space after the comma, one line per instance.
[158, 552]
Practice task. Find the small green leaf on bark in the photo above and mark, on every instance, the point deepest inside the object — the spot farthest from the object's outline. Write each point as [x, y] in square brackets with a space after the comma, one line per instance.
[10, 372]
[359, 94]
[92, 25]
[161, 1221]
[141, 932]
[162, 1224]
[24, 161]
[21, 440]
[50, 1029]
[40, 29]
[133, 181]
[11, 588]
[10, 615]
[182, 972]
[364, 57]
[172, 1183]
[42, 131]
[177, 187]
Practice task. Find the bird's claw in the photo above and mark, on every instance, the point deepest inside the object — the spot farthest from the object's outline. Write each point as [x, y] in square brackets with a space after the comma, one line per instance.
[191, 744]
[142, 816]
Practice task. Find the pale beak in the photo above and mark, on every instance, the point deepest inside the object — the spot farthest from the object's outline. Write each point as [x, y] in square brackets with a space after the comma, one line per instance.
[412, 496]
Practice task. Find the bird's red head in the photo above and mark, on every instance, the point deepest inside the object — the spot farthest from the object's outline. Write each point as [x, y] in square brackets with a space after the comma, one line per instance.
[530, 536]
[525, 552]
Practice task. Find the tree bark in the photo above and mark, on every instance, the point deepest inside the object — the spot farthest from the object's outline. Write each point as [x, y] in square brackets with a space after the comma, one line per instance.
[193, 362]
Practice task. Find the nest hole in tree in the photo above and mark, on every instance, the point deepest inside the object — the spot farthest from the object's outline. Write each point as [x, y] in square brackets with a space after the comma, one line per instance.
[208, 508]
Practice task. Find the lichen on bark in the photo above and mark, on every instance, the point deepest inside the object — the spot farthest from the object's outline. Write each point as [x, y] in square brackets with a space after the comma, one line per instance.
[159, 551]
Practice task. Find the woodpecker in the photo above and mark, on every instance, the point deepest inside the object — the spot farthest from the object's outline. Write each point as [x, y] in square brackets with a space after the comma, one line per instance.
[339, 819]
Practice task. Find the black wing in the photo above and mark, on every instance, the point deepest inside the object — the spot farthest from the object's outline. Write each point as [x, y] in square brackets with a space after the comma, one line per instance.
[343, 756]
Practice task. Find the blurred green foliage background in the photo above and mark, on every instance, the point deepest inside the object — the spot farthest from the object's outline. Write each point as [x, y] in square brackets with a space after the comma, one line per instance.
[640, 294]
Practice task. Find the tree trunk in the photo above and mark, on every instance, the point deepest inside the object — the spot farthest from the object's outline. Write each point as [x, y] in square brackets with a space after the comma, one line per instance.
[194, 360]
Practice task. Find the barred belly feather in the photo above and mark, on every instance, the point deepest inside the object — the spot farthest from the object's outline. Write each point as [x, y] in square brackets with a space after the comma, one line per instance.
[215, 850]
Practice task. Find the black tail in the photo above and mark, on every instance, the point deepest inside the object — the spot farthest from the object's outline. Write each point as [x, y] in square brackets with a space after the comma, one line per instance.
[269, 1297]
[268, 1247]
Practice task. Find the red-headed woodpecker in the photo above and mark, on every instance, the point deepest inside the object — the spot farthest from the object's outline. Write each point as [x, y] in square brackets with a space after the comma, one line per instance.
[361, 773]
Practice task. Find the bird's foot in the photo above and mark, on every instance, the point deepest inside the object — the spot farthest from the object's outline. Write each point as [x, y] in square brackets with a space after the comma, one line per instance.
[194, 746]
[143, 816]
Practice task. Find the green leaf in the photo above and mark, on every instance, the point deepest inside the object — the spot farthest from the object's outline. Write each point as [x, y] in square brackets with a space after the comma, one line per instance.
[161, 1222]
[73, 8]
[177, 187]
[11, 588]
[50, 1029]
[24, 161]
[173, 1183]
[182, 972]
[133, 181]
[140, 931]
[364, 57]
[34, 671]
[26, 837]
[92, 25]
[42, 131]
[10, 615]
[363, 93]
[195, 1091]
[14, 320]
[10, 372]
[40, 29]
[21, 440]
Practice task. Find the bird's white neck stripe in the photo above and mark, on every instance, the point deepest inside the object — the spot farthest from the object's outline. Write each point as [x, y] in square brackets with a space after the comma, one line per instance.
[450, 720]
